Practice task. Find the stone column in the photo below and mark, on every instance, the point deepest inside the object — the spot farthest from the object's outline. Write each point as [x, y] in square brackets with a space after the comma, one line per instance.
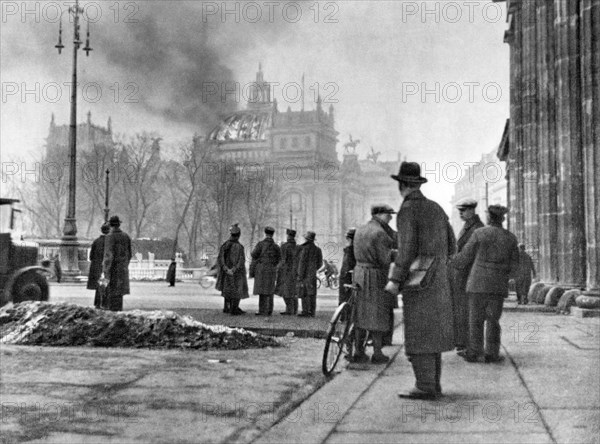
[529, 119]
[590, 66]
[571, 214]
[515, 157]
[547, 266]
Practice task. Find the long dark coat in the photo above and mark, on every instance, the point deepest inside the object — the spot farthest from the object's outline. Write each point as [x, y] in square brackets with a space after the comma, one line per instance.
[232, 256]
[171, 272]
[286, 270]
[423, 230]
[310, 259]
[96, 258]
[492, 254]
[348, 264]
[373, 251]
[458, 274]
[117, 254]
[265, 255]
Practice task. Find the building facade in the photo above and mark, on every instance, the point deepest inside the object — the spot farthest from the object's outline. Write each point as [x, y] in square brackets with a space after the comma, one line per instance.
[318, 191]
[553, 143]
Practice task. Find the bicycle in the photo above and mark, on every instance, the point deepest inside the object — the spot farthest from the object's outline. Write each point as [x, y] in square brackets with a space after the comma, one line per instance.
[340, 334]
[333, 282]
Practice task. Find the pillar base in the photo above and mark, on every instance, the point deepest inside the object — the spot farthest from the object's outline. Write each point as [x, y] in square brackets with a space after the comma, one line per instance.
[69, 259]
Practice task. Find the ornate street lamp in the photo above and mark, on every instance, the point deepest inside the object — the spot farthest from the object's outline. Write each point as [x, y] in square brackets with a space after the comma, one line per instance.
[69, 245]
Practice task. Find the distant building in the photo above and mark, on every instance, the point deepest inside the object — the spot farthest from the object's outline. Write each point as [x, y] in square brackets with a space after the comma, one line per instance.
[485, 182]
[88, 135]
[319, 192]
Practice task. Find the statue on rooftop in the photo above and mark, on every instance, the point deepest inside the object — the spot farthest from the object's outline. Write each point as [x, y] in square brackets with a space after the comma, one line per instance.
[350, 146]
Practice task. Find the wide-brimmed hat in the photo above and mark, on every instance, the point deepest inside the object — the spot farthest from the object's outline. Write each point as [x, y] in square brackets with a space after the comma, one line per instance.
[497, 210]
[382, 209]
[310, 235]
[269, 230]
[466, 203]
[409, 172]
[290, 232]
[234, 229]
[114, 221]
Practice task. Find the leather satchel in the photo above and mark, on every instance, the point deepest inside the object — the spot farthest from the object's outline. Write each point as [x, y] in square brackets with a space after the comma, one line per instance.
[420, 274]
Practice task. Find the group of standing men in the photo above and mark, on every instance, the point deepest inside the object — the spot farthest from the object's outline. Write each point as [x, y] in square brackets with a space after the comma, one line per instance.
[109, 266]
[448, 293]
[289, 271]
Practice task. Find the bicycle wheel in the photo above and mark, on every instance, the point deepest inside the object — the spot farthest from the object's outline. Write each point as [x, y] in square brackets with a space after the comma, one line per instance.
[318, 282]
[338, 338]
[335, 283]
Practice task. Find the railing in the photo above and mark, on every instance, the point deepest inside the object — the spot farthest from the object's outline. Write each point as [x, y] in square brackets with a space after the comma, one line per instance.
[160, 273]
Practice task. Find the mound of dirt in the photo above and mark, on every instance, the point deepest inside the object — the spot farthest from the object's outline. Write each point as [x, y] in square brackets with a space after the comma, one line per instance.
[42, 323]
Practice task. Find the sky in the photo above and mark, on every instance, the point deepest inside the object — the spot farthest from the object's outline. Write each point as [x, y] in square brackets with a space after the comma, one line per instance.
[426, 79]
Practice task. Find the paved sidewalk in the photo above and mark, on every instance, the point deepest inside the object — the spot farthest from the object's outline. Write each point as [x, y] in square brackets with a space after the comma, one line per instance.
[546, 391]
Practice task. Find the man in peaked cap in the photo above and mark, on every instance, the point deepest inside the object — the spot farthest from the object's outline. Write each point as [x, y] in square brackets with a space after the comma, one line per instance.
[458, 277]
[115, 264]
[231, 279]
[423, 230]
[265, 257]
[373, 248]
[310, 259]
[348, 264]
[286, 274]
[492, 256]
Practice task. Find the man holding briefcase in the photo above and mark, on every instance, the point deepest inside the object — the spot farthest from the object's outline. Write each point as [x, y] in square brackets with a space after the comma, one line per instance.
[424, 236]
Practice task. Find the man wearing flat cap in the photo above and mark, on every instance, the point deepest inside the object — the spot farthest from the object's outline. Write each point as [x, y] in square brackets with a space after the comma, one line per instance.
[460, 302]
[286, 274]
[492, 256]
[115, 264]
[424, 233]
[231, 278]
[310, 259]
[265, 257]
[373, 248]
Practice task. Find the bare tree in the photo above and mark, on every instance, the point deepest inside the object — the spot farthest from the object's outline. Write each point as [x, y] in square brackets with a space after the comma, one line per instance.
[259, 193]
[140, 163]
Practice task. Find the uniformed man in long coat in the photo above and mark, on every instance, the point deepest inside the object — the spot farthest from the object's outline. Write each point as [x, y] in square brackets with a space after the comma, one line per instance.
[458, 277]
[373, 248]
[231, 278]
[286, 274]
[172, 272]
[423, 232]
[310, 259]
[524, 274]
[265, 255]
[96, 258]
[115, 266]
[492, 255]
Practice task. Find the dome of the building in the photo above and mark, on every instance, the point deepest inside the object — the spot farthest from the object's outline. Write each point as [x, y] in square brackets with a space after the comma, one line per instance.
[242, 126]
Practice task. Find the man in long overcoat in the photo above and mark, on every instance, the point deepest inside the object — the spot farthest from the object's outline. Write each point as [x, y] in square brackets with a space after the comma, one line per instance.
[310, 259]
[458, 276]
[96, 258]
[492, 255]
[423, 231]
[373, 248]
[286, 274]
[115, 266]
[231, 279]
[524, 274]
[172, 272]
[265, 255]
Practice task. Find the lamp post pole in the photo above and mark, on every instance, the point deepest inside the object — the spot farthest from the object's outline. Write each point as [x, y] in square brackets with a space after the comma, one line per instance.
[106, 209]
[69, 245]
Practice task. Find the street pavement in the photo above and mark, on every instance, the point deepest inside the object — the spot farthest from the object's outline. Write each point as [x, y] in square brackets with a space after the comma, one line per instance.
[546, 391]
